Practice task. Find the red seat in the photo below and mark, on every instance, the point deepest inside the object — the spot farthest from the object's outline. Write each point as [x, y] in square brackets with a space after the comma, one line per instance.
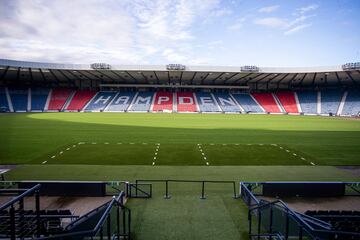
[287, 100]
[163, 101]
[267, 101]
[58, 99]
[186, 102]
[80, 99]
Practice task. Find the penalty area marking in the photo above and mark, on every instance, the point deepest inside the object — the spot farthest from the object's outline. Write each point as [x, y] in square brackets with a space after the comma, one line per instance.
[203, 153]
[155, 153]
[295, 154]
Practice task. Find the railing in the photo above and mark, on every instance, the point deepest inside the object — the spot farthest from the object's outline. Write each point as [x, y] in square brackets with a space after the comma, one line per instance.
[202, 182]
[268, 218]
[113, 223]
[14, 220]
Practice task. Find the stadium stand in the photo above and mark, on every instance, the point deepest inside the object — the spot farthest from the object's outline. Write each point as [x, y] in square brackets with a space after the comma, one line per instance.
[58, 99]
[267, 101]
[100, 101]
[248, 103]
[287, 100]
[206, 102]
[308, 101]
[347, 221]
[163, 102]
[19, 99]
[186, 102]
[330, 101]
[352, 103]
[226, 102]
[4, 105]
[121, 102]
[142, 102]
[80, 99]
[38, 99]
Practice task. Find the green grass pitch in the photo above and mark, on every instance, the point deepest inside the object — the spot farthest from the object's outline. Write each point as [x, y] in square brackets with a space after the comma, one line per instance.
[236, 147]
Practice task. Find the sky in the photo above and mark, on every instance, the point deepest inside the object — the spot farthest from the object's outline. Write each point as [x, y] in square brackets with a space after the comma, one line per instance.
[265, 33]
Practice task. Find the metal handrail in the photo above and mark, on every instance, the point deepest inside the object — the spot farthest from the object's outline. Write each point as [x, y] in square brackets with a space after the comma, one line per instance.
[113, 202]
[19, 197]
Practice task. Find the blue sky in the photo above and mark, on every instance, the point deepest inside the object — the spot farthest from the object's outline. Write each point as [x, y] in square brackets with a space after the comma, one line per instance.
[265, 33]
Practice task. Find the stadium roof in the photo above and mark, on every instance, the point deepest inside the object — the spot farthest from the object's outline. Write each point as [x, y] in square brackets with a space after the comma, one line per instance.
[176, 74]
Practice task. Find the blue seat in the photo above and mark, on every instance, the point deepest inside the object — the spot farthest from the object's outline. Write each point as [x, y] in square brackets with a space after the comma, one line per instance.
[330, 101]
[206, 102]
[352, 103]
[38, 99]
[308, 101]
[100, 101]
[247, 103]
[226, 102]
[121, 102]
[4, 105]
[19, 99]
[142, 102]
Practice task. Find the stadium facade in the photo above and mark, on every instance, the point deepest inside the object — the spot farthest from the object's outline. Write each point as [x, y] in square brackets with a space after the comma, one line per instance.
[33, 86]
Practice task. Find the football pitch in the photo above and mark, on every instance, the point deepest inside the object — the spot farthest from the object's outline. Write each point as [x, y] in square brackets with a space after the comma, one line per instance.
[114, 146]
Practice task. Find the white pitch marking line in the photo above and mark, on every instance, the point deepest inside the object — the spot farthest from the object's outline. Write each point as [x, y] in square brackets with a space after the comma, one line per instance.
[204, 158]
[93, 143]
[81, 143]
[44, 162]
[224, 144]
[154, 158]
[106, 143]
[281, 147]
[248, 144]
[287, 150]
[212, 144]
[156, 153]
[132, 143]
[200, 150]
[157, 149]
[67, 149]
[53, 156]
[237, 144]
[303, 158]
[203, 154]
[61, 152]
[144, 143]
[158, 143]
[119, 143]
[74, 146]
[153, 163]
[294, 154]
[260, 144]
[312, 163]
[207, 163]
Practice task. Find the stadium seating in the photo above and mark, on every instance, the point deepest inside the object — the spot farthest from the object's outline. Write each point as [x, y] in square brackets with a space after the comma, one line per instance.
[19, 99]
[38, 99]
[247, 103]
[142, 102]
[79, 100]
[226, 102]
[330, 101]
[352, 103]
[267, 101]
[287, 100]
[186, 102]
[121, 102]
[58, 99]
[308, 101]
[100, 101]
[206, 102]
[4, 105]
[163, 102]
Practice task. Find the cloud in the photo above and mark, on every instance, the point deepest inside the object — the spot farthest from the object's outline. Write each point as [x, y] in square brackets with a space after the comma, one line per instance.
[268, 9]
[308, 8]
[127, 31]
[290, 26]
[238, 24]
[297, 28]
[273, 22]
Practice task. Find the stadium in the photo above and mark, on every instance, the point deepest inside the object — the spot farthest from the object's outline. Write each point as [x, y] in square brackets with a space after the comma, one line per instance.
[179, 151]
